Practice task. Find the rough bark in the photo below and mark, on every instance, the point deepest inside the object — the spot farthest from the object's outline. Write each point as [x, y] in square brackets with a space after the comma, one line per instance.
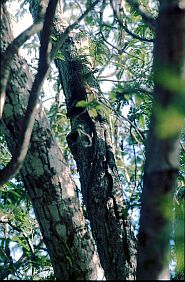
[162, 157]
[89, 141]
[47, 180]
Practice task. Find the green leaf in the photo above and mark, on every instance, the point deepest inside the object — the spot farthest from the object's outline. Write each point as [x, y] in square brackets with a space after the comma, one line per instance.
[60, 56]
[82, 104]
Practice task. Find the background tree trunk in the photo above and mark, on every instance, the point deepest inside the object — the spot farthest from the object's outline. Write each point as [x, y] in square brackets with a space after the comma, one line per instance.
[179, 228]
[162, 159]
[47, 179]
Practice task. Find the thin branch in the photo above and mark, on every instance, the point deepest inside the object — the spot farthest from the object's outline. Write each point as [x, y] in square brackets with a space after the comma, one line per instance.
[110, 44]
[50, 98]
[44, 63]
[8, 56]
[101, 78]
[135, 162]
[106, 103]
[5, 149]
[125, 27]
[135, 90]
[76, 2]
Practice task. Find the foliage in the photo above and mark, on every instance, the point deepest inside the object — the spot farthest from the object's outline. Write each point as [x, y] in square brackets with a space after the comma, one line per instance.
[21, 240]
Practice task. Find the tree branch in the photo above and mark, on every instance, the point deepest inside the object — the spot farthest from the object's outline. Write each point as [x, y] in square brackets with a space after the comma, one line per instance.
[44, 63]
[125, 27]
[135, 90]
[8, 56]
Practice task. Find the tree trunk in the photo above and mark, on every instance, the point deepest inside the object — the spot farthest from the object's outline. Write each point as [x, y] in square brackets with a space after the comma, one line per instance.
[47, 180]
[101, 188]
[161, 166]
